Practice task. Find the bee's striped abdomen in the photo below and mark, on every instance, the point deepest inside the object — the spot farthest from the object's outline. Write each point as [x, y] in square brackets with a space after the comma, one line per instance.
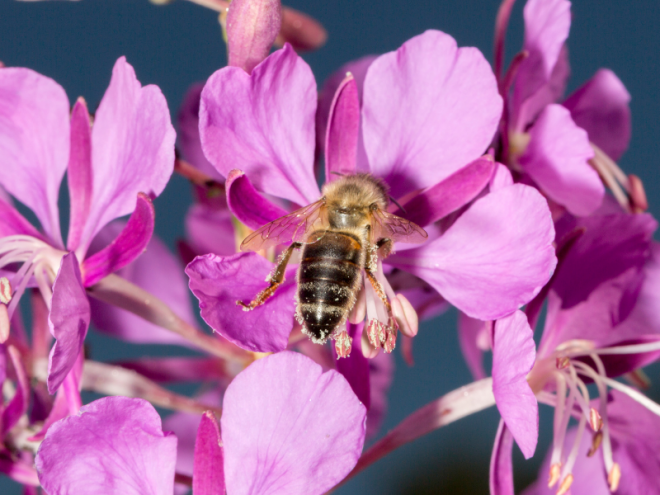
[328, 279]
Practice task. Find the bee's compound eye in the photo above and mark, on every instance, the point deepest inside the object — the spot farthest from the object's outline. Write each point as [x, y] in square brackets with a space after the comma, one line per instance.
[373, 206]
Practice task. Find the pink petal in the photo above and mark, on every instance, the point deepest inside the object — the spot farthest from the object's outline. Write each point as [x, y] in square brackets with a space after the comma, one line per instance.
[34, 142]
[496, 256]
[358, 69]
[251, 30]
[13, 223]
[218, 282]
[263, 124]
[132, 148]
[210, 230]
[188, 135]
[68, 321]
[547, 23]
[469, 333]
[247, 204]
[452, 193]
[341, 142]
[429, 109]
[501, 463]
[601, 107]
[288, 428]
[79, 173]
[208, 475]
[157, 271]
[115, 445]
[355, 368]
[557, 159]
[127, 246]
[501, 177]
[514, 354]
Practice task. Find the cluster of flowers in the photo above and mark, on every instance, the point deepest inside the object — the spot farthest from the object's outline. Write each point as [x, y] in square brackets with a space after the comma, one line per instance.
[509, 179]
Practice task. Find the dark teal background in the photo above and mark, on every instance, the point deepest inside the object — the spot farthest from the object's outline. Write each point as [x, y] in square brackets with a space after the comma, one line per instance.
[173, 46]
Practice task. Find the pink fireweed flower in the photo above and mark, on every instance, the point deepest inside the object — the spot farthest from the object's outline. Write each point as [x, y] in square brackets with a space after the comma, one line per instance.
[634, 431]
[286, 428]
[433, 160]
[600, 324]
[127, 155]
[559, 146]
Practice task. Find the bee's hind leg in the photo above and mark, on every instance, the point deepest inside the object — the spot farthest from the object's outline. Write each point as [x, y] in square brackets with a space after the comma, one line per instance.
[275, 278]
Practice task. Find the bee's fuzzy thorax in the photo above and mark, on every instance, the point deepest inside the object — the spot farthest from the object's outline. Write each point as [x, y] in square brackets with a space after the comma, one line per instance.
[356, 191]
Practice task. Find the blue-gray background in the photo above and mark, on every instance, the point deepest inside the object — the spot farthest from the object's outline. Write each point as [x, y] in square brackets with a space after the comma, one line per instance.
[176, 45]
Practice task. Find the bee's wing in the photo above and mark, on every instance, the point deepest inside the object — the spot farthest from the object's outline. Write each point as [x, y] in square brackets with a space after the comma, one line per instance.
[294, 227]
[386, 225]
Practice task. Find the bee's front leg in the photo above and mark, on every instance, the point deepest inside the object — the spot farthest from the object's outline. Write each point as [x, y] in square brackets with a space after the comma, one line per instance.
[275, 278]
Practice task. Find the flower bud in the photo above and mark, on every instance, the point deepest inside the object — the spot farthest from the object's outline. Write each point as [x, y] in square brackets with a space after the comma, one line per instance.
[252, 26]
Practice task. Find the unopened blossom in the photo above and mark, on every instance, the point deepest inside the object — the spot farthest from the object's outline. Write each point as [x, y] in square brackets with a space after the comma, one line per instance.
[286, 428]
[452, 116]
[113, 168]
[557, 145]
[600, 324]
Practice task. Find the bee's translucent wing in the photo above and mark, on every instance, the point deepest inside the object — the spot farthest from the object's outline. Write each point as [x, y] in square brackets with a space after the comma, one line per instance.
[298, 226]
[386, 225]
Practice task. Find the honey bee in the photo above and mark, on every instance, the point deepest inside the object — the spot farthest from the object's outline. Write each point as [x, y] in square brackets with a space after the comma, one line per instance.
[340, 235]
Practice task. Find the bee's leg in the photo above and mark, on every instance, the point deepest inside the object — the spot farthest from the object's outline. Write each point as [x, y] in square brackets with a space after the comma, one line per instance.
[380, 291]
[379, 334]
[275, 278]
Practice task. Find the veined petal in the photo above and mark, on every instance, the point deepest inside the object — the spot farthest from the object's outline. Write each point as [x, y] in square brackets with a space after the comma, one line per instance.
[247, 204]
[68, 321]
[157, 271]
[429, 109]
[455, 191]
[496, 256]
[557, 159]
[208, 474]
[127, 246]
[251, 30]
[188, 135]
[263, 124]
[116, 445]
[79, 172]
[341, 142]
[601, 108]
[514, 354]
[501, 463]
[132, 148]
[210, 230]
[218, 282]
[34, 142]
[288, 428]
[547, 23]
[358, 69]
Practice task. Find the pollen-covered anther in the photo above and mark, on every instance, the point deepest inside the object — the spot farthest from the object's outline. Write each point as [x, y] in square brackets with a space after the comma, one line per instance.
[595, 421]
[390, 339]
[555, 474]
[373, 332]
[5, 290]
[595, 444]
[565, 485]
[563, 363]
[343, 344]
[614, 477]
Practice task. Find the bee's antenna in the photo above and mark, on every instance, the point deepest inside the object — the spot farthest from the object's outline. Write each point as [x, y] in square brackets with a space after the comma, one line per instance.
[337, 173]
[397, 203]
